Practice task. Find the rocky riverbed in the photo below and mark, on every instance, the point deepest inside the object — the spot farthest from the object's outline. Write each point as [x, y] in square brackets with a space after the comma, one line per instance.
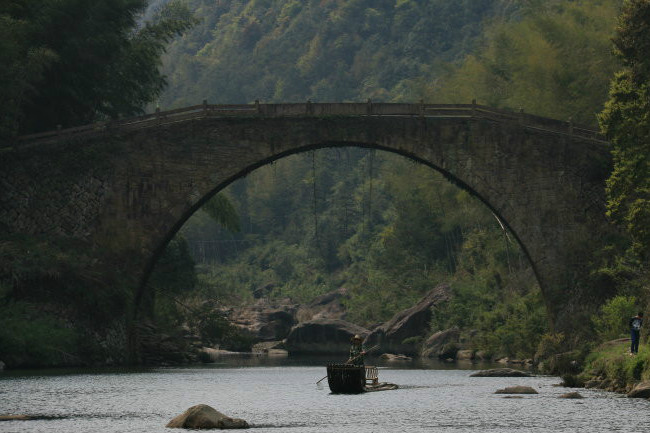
[282, 327]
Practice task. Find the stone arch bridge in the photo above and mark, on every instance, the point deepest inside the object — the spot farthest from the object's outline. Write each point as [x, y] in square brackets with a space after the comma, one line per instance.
[129, 185]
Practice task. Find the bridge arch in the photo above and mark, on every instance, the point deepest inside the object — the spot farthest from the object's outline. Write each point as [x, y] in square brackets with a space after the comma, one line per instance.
[543, 178]
[158, 251]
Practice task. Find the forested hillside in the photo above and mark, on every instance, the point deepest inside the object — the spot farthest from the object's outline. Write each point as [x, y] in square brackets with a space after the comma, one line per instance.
[555, 59]
[323, 50]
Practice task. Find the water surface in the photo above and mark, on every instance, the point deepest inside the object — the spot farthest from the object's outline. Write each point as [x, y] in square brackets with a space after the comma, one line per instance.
[282, 395]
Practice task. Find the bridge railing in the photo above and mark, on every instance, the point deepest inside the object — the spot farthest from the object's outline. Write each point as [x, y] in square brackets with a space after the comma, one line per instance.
[369, 108]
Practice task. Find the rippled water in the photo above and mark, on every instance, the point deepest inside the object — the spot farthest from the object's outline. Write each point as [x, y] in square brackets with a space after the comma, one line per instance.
[277, 398]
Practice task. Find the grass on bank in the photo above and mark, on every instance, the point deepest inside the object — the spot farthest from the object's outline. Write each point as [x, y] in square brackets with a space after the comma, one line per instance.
[612, 361]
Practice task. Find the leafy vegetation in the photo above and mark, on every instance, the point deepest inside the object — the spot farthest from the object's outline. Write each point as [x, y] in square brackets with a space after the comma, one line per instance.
[612, 320]
[626, 121]
[29, 338]
[333, 50]
[71, 63]
[613, 368]
[553, 60]
[53, 308]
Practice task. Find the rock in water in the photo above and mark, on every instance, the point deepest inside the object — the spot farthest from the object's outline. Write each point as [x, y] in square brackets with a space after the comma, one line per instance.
[641, 390]
[517, 390]
[203, 416]
[571, 395]
[500, 372]
[15, 417]
[393, 357]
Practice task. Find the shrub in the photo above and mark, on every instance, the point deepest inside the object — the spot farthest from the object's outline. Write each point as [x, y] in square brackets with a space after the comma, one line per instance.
[413, 340]
[30, 341]
[611, 322]
[549, 344]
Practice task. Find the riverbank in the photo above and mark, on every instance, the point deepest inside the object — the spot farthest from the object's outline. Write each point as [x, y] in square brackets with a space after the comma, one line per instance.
[611, 367]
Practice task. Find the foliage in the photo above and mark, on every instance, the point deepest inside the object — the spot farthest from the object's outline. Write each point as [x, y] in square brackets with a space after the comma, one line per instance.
[612, 320]
[53, 307]
[551, 59]
[23, 66]
[632, 39]
[70, 63]
[291, 51]
[626, 121]
[289, 269]
[174, 271]
[29, 338]
[550, 344]
[221, 210]
[61, 272]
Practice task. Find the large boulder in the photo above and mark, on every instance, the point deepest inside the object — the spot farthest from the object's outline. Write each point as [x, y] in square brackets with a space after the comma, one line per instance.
[323, 336]
[265, 320]
[327, 306]
[641, 390]
[442, 344]
[404, 332]
[500, 372]
[203, 416]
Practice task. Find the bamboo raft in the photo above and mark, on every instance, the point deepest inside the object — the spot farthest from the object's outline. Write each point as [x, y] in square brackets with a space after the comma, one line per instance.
[354, 379]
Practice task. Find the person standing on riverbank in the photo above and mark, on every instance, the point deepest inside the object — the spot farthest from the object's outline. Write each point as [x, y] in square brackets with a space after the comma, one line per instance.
[635, 332]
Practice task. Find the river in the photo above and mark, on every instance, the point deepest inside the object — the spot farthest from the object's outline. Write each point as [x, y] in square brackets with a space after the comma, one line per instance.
[282, 396]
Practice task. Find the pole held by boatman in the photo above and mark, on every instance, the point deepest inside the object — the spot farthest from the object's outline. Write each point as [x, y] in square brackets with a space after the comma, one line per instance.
[357, 351]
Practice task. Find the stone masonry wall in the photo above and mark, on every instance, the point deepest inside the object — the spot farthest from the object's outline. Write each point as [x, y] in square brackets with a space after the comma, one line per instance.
[60, 193]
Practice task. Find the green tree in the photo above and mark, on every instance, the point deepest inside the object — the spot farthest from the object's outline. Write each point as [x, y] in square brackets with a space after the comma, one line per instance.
[551, 59]
[626, 121]
[290, 50]
[611, 321]
[23, 65]
[72, 62]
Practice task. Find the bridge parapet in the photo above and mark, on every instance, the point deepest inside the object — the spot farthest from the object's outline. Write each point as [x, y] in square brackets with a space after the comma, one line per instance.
[369, 108]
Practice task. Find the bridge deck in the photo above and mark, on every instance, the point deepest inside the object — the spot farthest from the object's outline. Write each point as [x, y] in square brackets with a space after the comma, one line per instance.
[309, 109]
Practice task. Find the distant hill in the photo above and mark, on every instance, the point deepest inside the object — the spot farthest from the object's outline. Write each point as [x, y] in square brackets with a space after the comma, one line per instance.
[323, 50]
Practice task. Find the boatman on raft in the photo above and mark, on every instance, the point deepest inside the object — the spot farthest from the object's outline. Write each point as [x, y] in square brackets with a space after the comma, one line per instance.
[357, 351]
